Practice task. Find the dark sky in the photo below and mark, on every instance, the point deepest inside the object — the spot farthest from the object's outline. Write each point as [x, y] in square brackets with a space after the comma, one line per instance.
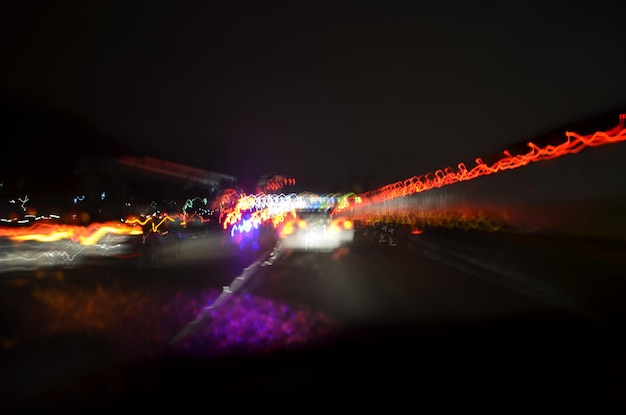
[329, 95]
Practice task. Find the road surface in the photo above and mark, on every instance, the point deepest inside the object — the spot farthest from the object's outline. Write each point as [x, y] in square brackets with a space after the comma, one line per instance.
[370, 323]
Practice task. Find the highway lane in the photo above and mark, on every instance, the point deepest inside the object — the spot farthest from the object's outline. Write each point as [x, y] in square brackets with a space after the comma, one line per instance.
[367, 316]
[367, 286]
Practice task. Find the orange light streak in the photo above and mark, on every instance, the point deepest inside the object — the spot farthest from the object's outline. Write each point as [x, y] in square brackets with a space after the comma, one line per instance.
[85, 235]
[184, 218]
[573, 144]
[91, 234]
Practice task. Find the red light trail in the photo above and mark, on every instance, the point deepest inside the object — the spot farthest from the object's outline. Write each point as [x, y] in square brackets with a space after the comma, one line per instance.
[574, 143]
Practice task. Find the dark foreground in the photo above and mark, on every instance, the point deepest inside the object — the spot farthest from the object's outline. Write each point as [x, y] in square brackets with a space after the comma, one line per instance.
[398, 369]
[98, 339]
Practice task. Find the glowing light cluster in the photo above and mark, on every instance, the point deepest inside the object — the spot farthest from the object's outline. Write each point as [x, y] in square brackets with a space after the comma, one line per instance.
[244, 226]
[264, 208]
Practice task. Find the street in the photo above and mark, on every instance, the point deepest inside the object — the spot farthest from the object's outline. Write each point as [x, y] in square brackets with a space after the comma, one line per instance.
[367, 315]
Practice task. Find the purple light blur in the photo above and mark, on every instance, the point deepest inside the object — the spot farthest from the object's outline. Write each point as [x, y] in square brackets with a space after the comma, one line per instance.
[251, 325]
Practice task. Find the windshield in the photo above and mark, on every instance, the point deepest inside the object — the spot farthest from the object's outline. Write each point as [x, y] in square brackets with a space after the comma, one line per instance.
[230, 206]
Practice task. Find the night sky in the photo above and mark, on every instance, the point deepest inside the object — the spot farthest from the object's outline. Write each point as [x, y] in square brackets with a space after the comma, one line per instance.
[334, 96]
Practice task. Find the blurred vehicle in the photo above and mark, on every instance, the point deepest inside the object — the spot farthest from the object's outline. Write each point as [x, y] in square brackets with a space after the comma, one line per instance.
[315, 229]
